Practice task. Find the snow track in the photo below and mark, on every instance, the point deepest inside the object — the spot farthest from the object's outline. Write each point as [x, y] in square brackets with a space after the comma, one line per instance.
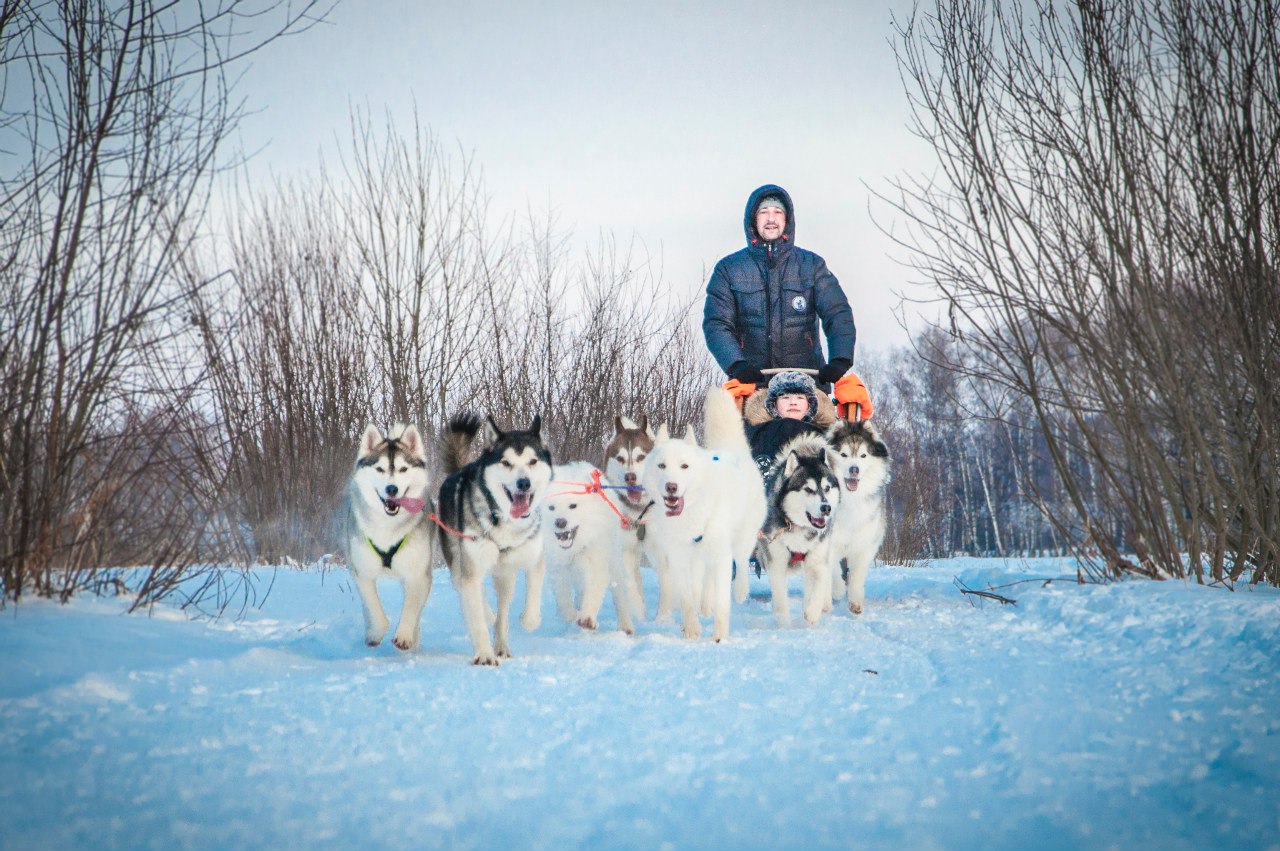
[1129, 716]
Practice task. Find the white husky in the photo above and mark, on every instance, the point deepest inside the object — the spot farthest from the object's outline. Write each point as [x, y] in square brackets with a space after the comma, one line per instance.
[583, 540]
[860, 523]
[710, 506]
[387, 535]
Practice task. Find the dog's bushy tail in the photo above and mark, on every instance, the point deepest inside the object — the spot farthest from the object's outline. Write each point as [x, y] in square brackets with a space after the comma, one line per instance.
[723, 424]
[456, 444]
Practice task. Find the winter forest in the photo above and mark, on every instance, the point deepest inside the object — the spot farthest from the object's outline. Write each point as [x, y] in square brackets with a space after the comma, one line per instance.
[1100, 232]
[1071, 637]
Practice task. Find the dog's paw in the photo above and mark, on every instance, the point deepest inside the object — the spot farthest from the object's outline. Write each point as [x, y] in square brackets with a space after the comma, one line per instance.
[587, 623]
[486, 659]
[856, 608]
[531, 621]
[503, 652]
[372, 642]
[403, 643]
[693, 633]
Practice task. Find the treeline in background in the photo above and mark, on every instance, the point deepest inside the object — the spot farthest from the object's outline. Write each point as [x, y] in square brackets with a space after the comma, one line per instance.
[184, 391]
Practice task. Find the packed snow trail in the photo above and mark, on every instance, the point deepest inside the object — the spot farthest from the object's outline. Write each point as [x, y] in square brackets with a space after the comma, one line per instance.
[1127, 716]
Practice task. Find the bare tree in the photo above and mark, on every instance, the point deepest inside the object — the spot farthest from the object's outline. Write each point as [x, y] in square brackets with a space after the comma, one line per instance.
[594, 338]
[112, 118]
[1103, 229]
[288, 368]
[418, 226]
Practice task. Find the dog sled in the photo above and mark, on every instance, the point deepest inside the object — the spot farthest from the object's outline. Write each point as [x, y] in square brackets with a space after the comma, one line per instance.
[849, 394]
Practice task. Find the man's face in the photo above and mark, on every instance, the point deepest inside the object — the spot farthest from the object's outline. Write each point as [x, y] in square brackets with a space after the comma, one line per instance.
[792, 406]
[770, 222]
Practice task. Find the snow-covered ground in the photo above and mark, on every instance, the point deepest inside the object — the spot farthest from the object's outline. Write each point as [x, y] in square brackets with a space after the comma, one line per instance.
[1138, 715]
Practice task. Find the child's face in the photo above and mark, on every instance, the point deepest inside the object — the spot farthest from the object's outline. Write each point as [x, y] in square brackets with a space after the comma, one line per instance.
[793, 406]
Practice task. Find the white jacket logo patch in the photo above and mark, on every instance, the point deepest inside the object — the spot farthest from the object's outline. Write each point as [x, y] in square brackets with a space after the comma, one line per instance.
[799, 304]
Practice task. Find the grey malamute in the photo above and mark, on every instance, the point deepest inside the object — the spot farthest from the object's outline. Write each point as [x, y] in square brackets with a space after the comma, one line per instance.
[860, 523]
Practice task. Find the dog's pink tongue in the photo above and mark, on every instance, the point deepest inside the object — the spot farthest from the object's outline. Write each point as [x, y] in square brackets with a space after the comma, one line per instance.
[520, 505]
[411, 504]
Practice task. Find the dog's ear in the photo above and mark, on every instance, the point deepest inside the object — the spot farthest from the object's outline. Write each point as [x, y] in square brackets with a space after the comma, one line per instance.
[662, 436]
[535, 427]
[833, 458]
[411, 442]
[793, 461]
[644, 425]
[690, 436]
[870, 431]
[621, 424]
[369, 441]
[492, 434]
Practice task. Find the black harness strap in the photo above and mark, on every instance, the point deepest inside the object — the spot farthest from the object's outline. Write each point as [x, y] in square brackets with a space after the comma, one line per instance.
[387, 555]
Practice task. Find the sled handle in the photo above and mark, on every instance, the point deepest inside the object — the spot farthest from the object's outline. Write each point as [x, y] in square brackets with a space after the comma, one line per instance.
[774, 370]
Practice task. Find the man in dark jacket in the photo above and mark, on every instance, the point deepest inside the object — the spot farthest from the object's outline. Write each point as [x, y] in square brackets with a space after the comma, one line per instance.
[764, 302]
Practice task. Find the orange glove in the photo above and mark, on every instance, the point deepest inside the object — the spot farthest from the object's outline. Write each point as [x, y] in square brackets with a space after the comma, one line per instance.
[850, 391]
[738, 389]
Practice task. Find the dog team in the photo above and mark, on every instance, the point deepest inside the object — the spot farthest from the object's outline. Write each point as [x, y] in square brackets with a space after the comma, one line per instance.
[798, 488]
[700, 515]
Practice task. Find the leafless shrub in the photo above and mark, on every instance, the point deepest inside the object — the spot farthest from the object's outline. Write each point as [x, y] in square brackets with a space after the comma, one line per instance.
[581, 342]
[381, 294]
[1103, 230]
[112, 118]
[289, 370]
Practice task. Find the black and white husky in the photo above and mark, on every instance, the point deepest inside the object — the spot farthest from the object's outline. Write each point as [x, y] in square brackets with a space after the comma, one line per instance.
[388, 536]
[804, 495]
[860, 522]
[491, 526]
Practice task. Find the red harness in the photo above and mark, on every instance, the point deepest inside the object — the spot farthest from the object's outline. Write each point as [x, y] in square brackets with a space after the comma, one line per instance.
[595, 486]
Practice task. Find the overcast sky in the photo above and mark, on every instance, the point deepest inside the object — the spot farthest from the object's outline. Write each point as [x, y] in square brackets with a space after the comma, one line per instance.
[653, 120]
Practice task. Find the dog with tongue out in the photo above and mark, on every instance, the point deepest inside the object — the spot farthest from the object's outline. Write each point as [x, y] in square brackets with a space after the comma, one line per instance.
[387, 536]
[489, 525]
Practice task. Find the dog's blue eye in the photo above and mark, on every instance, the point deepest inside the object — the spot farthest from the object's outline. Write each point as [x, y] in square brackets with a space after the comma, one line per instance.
[662, 466]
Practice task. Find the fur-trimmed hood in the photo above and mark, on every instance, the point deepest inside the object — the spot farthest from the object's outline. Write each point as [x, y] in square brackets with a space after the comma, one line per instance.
[755, 411]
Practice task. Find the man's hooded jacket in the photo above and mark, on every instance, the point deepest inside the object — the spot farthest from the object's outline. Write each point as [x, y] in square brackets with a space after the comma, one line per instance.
[764, 302]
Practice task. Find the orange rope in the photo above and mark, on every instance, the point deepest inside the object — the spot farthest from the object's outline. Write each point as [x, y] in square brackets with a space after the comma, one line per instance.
[595, 487]
[440, 523]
